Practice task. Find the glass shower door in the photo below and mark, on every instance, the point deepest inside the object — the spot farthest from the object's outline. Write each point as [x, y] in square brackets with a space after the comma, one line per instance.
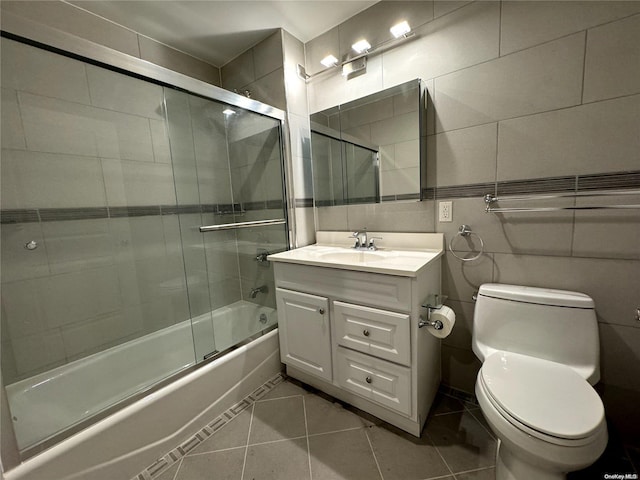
[94, 296]
[228, 173]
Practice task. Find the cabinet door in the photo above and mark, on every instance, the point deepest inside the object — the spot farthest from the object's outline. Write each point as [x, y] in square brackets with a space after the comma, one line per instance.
[305, 339]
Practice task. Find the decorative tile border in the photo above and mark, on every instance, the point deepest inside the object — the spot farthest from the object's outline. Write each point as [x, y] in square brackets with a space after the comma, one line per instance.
[303, 202]
[165, 462]
[609, 181]
[85, 213]
[600, 181]
[465, 191]
[537, 185]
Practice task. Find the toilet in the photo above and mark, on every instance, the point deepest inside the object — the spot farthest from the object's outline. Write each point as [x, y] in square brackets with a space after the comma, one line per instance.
[539, 350]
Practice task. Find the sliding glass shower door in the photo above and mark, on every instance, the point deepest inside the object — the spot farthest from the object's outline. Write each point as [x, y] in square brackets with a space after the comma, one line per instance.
[228, 170]
[108, 284]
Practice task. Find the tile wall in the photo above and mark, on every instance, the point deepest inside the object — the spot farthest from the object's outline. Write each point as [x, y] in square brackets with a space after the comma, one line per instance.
[301, 176]
[260, 71]
[81, 23]
[526, 97]
[269, 72]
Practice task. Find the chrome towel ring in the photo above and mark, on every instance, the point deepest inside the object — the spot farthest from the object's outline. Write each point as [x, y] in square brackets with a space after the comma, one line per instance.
[465, 231]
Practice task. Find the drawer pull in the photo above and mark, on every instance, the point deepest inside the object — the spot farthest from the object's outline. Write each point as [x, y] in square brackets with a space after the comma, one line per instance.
[321, 311]
[366, 333]
[368, 379]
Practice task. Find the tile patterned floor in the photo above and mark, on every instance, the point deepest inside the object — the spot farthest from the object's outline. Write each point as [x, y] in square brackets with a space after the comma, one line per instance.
[292, 433]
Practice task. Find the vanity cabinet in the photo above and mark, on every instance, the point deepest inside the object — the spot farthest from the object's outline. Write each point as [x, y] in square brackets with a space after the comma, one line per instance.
[354, 335]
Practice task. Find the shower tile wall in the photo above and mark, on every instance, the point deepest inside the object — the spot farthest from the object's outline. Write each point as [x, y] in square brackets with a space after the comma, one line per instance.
[76, 21]
[521, 91]
[259, 70]
[77, 136]
[269, 71]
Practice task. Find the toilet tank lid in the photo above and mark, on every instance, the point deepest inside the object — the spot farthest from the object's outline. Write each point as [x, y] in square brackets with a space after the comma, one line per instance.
[541, 296]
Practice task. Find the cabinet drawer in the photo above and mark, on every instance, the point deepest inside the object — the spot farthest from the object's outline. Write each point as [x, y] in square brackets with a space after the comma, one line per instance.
[378, 380]
[376, 332]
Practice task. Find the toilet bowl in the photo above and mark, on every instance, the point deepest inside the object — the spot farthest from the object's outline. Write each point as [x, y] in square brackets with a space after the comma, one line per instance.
[540, 357]
[548, 419]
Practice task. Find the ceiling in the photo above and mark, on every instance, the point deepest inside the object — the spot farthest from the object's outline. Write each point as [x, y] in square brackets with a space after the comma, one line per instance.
[219, 30]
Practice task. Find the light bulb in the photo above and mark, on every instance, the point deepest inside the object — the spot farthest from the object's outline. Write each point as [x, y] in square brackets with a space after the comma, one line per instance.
[329, 61]
[361, 46]
[400, 29]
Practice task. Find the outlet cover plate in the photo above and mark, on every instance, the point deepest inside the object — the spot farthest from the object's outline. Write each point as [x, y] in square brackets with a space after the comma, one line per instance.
[445, 212]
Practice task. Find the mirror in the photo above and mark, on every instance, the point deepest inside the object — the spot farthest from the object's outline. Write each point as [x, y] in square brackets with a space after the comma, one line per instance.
[369, 150]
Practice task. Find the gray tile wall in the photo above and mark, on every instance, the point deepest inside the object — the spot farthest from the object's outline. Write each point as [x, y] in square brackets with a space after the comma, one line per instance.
[520, 90]
[300, 142]
[83, 24]
[259, 70]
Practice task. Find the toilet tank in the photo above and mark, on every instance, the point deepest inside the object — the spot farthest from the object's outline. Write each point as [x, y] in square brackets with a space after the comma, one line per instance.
[555, 325]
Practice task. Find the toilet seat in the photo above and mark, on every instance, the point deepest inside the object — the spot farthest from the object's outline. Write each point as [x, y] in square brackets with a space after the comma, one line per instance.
[545, 399]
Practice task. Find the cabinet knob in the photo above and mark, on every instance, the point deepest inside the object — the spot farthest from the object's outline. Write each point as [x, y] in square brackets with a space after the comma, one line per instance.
[368, 379]
[365, 333]
[321, 311]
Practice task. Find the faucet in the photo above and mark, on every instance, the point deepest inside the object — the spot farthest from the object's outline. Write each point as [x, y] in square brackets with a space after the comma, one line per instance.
[255, 291]
[363, 242]
[361, 239]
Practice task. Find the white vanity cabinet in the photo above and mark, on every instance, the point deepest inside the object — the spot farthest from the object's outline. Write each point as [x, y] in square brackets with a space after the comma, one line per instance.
[354, 333]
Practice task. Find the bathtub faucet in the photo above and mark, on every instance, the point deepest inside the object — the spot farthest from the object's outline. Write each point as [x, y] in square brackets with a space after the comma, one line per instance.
[255, 291]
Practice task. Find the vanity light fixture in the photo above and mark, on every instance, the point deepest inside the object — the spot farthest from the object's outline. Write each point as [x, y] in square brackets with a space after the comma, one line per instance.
[228, 111]
[350, 69]
[400, 29]
[361, 46]
[353, 65]
[329, 61]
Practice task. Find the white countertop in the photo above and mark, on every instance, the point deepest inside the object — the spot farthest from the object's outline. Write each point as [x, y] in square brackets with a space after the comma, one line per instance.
[403, 254]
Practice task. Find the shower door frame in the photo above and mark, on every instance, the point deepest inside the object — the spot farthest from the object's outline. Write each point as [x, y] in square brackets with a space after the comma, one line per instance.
[56, 41]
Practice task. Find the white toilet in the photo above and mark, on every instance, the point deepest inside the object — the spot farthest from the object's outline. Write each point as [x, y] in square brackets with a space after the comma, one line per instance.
[540, 357]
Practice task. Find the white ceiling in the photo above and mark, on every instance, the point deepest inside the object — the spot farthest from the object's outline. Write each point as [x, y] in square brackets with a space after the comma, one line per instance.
[218, 30]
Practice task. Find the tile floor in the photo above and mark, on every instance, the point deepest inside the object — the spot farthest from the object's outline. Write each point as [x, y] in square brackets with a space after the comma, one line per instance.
[297, 433]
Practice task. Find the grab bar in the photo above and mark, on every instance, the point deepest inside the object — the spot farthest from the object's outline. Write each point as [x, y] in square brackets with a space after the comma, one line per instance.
[232, 226]
[489, 199]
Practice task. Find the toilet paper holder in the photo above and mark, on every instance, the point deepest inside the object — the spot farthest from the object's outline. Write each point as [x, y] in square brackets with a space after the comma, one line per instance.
[434, 302]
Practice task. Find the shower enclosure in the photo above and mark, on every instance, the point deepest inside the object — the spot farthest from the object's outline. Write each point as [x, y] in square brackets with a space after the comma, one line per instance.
[135, 221]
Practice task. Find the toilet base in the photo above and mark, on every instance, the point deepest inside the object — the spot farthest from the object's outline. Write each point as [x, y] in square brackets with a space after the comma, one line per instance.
[512, 467]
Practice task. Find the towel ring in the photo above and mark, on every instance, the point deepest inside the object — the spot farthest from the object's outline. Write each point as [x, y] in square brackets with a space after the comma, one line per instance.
[465, 231]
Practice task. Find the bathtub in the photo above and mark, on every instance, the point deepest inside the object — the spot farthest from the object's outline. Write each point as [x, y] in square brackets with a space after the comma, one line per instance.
[50, 402]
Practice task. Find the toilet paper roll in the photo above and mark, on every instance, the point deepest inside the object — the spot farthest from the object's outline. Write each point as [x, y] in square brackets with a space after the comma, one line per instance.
[448, 319]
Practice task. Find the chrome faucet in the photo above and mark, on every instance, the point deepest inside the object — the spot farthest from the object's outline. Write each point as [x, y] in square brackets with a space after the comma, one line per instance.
[255, 291]
[363, 242]
[361, 239]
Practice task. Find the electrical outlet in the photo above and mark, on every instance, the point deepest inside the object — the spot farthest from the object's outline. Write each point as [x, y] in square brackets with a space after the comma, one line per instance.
[445, 212]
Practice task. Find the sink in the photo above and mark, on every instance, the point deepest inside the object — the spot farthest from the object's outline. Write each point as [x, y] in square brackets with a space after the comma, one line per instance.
[404, 254]
[352, 257]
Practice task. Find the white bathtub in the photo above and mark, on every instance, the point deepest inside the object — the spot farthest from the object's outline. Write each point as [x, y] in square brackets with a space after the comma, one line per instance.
[48, 403]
